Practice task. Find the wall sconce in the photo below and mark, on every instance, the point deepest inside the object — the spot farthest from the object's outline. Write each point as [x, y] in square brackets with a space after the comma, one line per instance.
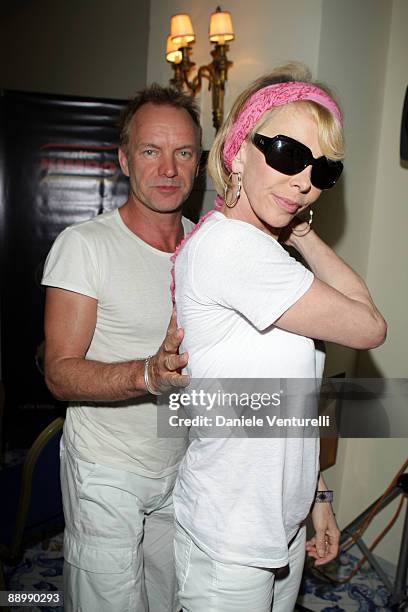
[178, 54]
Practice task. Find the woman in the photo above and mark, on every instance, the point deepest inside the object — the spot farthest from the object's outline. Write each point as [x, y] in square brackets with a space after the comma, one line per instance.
[249, 310]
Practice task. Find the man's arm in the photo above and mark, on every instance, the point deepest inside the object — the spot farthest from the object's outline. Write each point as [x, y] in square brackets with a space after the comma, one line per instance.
[70, 320]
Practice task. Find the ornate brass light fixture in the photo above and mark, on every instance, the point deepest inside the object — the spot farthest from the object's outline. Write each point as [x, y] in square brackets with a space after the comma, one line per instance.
[178, 54]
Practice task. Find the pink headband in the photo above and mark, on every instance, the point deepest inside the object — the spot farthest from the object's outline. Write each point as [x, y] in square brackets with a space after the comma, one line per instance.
[267, 98]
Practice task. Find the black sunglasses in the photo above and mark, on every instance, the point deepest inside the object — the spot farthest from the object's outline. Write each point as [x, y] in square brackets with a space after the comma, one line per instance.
[290, 157]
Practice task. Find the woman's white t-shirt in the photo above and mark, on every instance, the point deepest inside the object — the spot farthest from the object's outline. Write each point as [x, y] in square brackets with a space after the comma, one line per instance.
[243, 499]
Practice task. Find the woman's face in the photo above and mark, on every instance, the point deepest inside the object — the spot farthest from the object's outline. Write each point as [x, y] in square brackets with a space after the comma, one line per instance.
[270, 199]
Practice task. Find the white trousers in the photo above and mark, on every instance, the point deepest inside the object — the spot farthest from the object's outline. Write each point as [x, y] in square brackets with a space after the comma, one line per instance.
[206, 585]
[118, 540]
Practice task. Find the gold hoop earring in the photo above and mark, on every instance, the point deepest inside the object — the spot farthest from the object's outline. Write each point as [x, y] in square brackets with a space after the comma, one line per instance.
[237, 195]
[310, 221]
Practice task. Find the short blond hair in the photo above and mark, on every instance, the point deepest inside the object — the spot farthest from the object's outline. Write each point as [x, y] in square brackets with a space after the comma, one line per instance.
[330, 131]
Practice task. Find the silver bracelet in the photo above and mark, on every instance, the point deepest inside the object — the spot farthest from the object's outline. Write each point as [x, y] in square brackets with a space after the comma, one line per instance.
[148, 386]
[324, 497]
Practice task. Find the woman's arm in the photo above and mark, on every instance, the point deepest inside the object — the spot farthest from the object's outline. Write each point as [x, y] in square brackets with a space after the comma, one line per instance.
[324, 545]
[337, 307]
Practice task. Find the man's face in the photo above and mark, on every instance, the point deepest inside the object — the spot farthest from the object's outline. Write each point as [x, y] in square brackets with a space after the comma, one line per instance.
[162, 157]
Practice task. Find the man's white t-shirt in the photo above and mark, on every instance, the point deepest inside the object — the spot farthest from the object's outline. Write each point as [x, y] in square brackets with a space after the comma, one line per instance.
[243, 499]
[105, 260]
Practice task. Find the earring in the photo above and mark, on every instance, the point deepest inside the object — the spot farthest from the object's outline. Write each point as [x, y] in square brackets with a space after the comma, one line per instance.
[309, 224]
[237, 195]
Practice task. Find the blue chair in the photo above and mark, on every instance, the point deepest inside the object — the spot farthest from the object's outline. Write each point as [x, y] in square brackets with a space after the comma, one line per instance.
[31, 507]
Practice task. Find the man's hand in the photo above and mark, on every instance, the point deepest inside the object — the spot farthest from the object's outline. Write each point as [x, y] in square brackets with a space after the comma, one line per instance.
[166, 365]
[324, 546]
[70, 320]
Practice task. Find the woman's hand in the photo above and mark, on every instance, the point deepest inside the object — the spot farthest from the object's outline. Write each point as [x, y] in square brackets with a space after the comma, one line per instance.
[287, 235]
[324, 545]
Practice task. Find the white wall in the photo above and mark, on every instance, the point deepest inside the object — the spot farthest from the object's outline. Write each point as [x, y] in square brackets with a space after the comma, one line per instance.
[352, 57]
[387, 277]
[388, 254]
[91, 48]
[364, 49]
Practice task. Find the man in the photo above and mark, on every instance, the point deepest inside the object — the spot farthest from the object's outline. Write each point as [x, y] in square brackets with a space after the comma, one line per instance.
[108, 305]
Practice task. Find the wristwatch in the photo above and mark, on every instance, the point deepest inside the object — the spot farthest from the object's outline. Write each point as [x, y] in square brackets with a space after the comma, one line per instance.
[323, 497]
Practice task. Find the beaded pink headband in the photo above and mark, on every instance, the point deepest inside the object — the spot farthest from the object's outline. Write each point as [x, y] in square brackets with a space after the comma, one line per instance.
[267, 98]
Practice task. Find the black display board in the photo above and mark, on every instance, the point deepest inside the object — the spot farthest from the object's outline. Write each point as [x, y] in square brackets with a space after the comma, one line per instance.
[58, 166]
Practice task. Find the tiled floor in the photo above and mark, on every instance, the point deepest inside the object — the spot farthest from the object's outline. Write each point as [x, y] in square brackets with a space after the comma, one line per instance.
[364, 593]
[41, 570]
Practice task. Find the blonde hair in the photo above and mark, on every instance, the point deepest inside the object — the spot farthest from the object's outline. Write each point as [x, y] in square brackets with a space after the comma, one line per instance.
[330, 132]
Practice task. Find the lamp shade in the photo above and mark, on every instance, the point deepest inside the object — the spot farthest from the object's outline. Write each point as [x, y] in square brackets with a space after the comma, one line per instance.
[173, 55]
[181, 30]
[221, 30]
